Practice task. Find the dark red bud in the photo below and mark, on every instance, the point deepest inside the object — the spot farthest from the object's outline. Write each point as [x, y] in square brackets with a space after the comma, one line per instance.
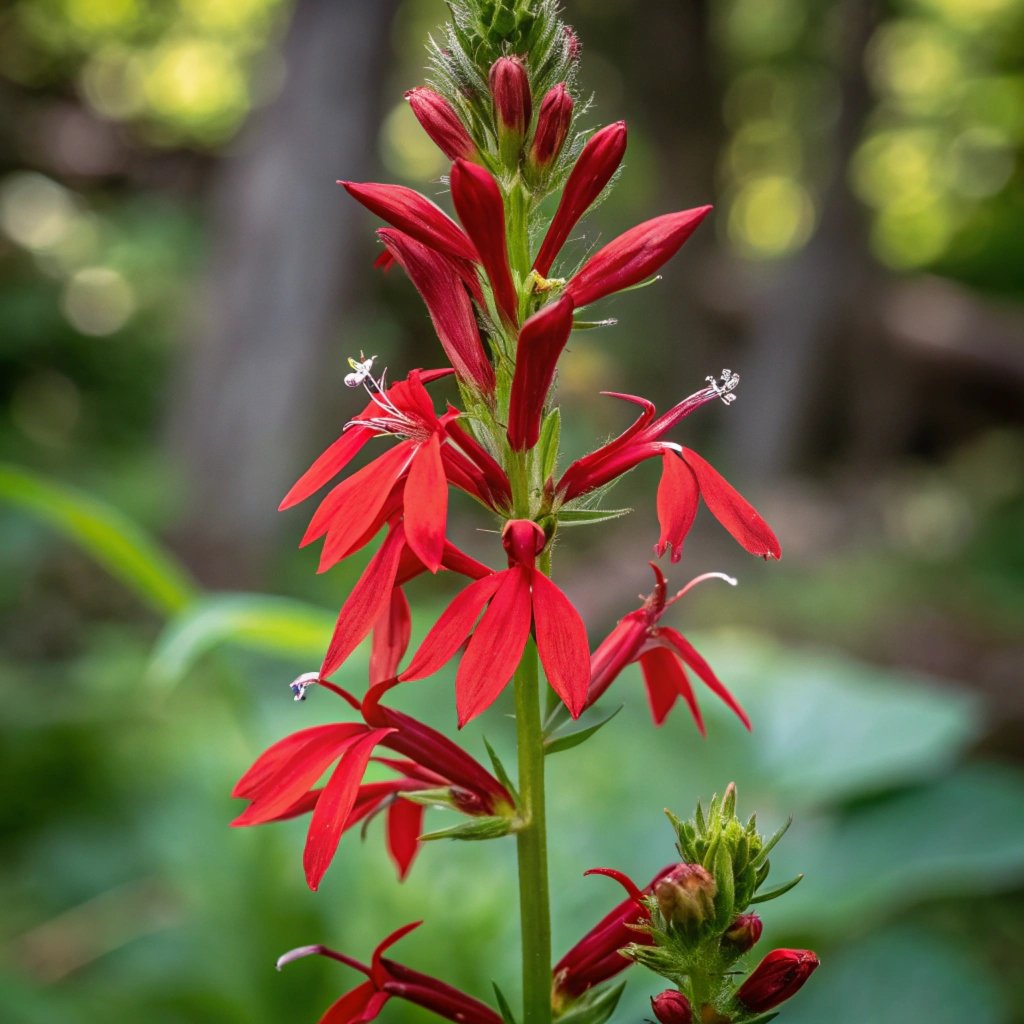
[553, 121]
[513, 105]
[672, 1007]
[778, 976]
[743, 933]
[442, 124]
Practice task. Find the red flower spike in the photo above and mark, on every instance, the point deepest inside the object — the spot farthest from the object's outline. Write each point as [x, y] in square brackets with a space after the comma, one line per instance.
[662, 652]
[780, 975]
[595, 958]
[593, 169]
[541, 341]
[439, 282]
[387, 979]
[553, 122]
[440, 121]
[407, 210]
[732, 510]
[634, 256]
[672, 1007]
[481, 209]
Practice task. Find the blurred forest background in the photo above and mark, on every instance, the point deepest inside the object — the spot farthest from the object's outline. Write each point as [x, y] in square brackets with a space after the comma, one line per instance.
[180, 283]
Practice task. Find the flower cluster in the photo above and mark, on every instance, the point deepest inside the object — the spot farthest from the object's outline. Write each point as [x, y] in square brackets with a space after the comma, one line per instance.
[503, 289]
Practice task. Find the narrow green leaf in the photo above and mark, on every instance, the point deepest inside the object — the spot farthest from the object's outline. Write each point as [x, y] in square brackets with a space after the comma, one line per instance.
[554, 744]
[276, 625]
[725, 898]
[108, 536]
[588, 516]
[770, 844]
[698, 817]
[594, 1007]
[772, 894]
[550, 435]
[506, 1011]
[474, 829]
[499, 770]
[590, 325]
[763, 1019]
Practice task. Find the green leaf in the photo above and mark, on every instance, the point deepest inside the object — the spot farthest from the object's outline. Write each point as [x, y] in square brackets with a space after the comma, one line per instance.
[554, 744]
[499, 770]
[275, 625]
[474, 829]
[506, 1011]
[772, 894]
[594, 1006]
[590, 325]
[550, 435]
[770, 843]
[113, 540]
[588, 516]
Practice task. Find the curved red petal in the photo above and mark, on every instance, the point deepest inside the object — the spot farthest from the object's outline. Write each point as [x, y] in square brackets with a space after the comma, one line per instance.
[327, 465]
[405, 826]
[666, 679]
[562, 643]
[351, 1006]
[678, 494]
[390, 637]
[496, 647]
[704, 671]
[426, 504]
[732, 510]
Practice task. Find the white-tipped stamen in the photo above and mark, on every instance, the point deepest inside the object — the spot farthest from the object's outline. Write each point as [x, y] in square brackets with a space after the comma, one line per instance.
[302, 683]
[729, 382]
[297, 954]
[731, 580]
[361, 369]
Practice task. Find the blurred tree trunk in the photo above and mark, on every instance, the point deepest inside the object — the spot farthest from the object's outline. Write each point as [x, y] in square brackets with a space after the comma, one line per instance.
[280, 270]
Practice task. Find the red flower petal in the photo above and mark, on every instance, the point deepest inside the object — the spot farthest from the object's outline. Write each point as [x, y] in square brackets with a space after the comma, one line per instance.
[366, 601]
[677, 503]
[496, 647]
[704, 671]
[416, 215]
[541, 341]
[390, 637]
[481, 209]
[352, 1005]
[732, 510]
[426, 504]
[449, 633]
[405, 825]
[333, 807]
[562, 643]
[666, 679]
[634, 255]
[439, 283]
[293, 778]
[329, 464]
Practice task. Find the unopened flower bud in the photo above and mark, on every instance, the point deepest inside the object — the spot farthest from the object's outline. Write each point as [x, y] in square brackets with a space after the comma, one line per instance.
[440, 121]
[553, 120]
[573, 46]
[778, 976]
[743, 933]
[672, 1007]
[686, 896]
[513, 105]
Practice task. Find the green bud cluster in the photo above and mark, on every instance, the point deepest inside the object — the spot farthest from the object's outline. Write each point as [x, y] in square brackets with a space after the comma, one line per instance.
[693, 910]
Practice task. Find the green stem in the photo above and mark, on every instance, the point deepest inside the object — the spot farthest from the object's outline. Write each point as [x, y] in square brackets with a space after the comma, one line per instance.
[534, 904]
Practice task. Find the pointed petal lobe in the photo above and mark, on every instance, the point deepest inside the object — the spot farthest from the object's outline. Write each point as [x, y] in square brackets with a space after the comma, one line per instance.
[562, 643]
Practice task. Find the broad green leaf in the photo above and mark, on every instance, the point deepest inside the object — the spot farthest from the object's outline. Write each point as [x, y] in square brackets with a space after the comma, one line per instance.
[275, 625]
[108, 536]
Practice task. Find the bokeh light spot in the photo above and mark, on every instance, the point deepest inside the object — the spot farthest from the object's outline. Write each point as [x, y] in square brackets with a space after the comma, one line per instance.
[406, 150]
[97, 301]
[35, 211]
[770, 217]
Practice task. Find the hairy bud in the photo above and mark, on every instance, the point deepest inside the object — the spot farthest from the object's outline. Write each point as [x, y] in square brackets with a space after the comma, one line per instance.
[513, 105]
[672, 1007]
[440, 121]
[686, 896]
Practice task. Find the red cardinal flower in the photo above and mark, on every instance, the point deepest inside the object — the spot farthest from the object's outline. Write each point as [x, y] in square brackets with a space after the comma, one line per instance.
[635, 255]
[386, 979]
[514, 599]
[439, 281]
[664, 655]
[685, 475]
[440, 121]
[593, 170]
[778, 976]
[280, 783]
[541, 341]
[481, 209]
[596, 957]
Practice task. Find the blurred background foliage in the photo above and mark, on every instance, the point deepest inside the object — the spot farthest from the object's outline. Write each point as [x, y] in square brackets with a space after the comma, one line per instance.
[180, 282]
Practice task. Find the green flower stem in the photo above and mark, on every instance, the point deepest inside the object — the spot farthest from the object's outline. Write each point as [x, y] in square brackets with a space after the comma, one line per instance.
[534, 903]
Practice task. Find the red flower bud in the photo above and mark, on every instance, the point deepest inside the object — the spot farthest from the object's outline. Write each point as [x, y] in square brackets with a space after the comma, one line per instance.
[599, 160]
[778, 976]
[743, 933]
[573, 46]
[513, 105]
[672, 1007]
[553, 122]
[441, 123]
[686, 896]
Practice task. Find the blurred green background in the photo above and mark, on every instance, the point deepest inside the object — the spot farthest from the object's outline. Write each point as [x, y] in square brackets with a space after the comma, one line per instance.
[180, 283]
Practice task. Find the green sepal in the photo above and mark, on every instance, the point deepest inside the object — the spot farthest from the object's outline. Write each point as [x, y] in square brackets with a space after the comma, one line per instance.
[770, 844]
[506, 1011]
[725, 898]
[440, 797]
[781, 890]
[594, 1006]
[590, 325]
[587, 516]
[554, 744]
[762, 1019]
[474, 829]
[550, 434]
[499, 771]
